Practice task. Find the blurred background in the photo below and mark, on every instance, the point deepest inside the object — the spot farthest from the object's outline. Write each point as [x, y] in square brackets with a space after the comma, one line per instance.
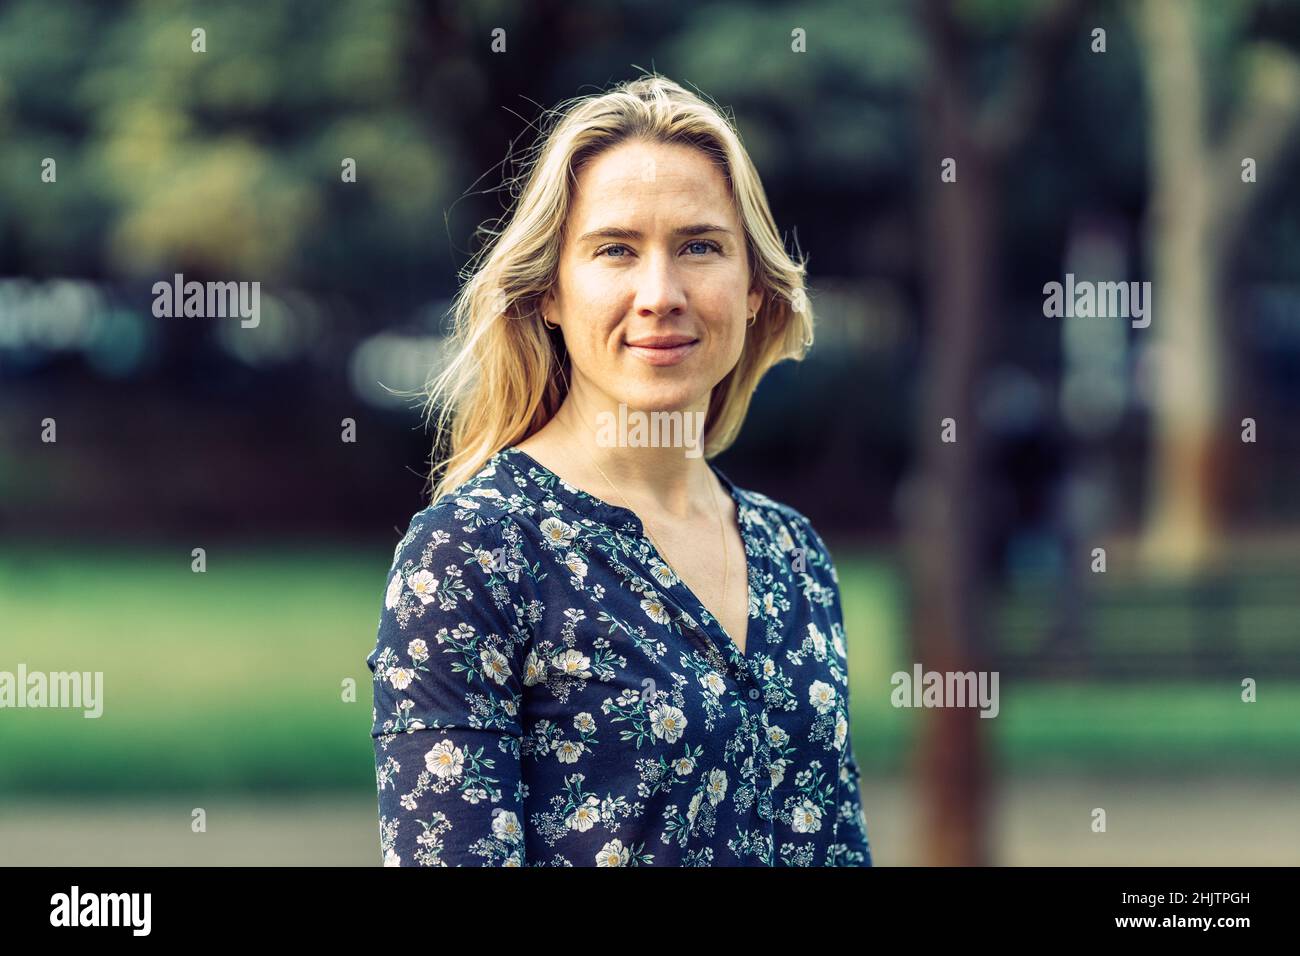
[1105, 140]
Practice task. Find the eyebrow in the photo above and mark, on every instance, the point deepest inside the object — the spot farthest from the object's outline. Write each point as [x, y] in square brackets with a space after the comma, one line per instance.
[615, 232]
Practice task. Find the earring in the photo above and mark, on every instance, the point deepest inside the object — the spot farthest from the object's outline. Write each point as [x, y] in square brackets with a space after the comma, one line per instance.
[753, 317]
[548, 324]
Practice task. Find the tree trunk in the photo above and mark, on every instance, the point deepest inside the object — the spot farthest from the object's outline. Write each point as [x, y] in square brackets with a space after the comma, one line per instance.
[943, 543]
[1189, 368]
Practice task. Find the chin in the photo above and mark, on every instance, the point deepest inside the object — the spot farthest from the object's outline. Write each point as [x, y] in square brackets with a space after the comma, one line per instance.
[661, 396]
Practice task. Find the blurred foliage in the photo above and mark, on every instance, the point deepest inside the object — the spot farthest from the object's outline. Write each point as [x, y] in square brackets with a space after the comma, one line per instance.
[228, 162]
[224, 162]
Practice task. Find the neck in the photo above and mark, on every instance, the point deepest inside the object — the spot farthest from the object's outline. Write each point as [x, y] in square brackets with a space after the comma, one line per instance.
[664, 478]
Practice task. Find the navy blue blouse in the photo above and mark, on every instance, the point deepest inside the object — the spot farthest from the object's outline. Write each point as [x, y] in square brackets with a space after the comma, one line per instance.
[547, 692]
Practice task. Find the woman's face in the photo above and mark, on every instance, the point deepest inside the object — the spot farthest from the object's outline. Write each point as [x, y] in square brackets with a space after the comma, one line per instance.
[653, 291]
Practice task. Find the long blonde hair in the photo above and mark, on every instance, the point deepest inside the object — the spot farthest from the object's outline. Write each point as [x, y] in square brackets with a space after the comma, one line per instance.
[506, 376]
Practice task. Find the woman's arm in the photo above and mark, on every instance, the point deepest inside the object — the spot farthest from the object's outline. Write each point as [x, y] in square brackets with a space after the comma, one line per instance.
[447, 669]
[852, 820]
[853, 845]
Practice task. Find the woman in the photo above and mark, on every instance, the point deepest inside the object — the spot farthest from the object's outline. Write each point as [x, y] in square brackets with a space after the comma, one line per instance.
[595, 650]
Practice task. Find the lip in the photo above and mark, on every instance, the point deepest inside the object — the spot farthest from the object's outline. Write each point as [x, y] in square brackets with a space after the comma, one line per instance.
[661, 350]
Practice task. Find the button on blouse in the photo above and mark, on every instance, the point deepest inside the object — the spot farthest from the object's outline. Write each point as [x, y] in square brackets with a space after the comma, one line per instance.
[547, 692]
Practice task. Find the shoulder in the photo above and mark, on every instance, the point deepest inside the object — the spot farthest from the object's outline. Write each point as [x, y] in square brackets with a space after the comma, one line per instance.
[791, 540]
[457, 551]
[455, 580]
[470, 514]
[788, 527]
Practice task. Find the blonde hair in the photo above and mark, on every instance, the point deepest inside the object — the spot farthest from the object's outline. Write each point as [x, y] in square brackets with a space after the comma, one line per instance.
[506, 377]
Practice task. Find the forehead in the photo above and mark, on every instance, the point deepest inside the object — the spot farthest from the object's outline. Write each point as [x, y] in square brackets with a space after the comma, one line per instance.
[650, 179]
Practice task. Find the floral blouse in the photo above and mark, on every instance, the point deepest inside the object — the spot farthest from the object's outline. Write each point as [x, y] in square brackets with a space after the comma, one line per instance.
[547, 692]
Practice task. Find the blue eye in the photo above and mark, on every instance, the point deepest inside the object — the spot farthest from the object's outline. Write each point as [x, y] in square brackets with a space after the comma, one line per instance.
[708, 243]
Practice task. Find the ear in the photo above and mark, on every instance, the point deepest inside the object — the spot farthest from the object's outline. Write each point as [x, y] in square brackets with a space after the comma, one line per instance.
[754, 300]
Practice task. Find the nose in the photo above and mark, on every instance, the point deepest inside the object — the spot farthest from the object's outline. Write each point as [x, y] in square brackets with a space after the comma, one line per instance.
[659, 287]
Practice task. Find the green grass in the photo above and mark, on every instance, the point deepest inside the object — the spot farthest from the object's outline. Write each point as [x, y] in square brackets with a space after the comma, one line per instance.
[232, 680]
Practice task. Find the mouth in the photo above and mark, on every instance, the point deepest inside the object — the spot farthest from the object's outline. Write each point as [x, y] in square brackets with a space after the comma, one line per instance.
[660, 350]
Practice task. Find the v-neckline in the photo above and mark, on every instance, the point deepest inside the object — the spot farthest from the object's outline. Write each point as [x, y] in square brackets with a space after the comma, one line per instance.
[722, 638]
[586, 501]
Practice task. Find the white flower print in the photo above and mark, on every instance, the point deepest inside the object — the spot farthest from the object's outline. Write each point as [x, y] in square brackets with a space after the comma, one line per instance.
[467, 503]
[395, 585]
[684, 766]
[424, 584]
[575, 564]
[713, 681]
[667, 722]
[783, 539]
[572, 663]
[400, 677]
[818, 639]
[417, 650]
[776, 772]
[806, 818]
[717, 786]
[445, 760]
[654, 608]
[534, 669]
[822, 696]
[585, 816]
[612, 853]
[662, 573]
[841, 731]
[505, 826]
[391, 858]
[495, 664]
[568, 751]
[556, 533]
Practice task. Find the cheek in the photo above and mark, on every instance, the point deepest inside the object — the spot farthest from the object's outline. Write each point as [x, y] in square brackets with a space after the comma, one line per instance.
[589, 317]
[591, 344]
[727, 311]
[730, 337]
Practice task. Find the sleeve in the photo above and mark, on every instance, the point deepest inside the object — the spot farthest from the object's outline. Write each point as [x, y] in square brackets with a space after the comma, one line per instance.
[447, 693]
[853, 820]
[853, 848]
